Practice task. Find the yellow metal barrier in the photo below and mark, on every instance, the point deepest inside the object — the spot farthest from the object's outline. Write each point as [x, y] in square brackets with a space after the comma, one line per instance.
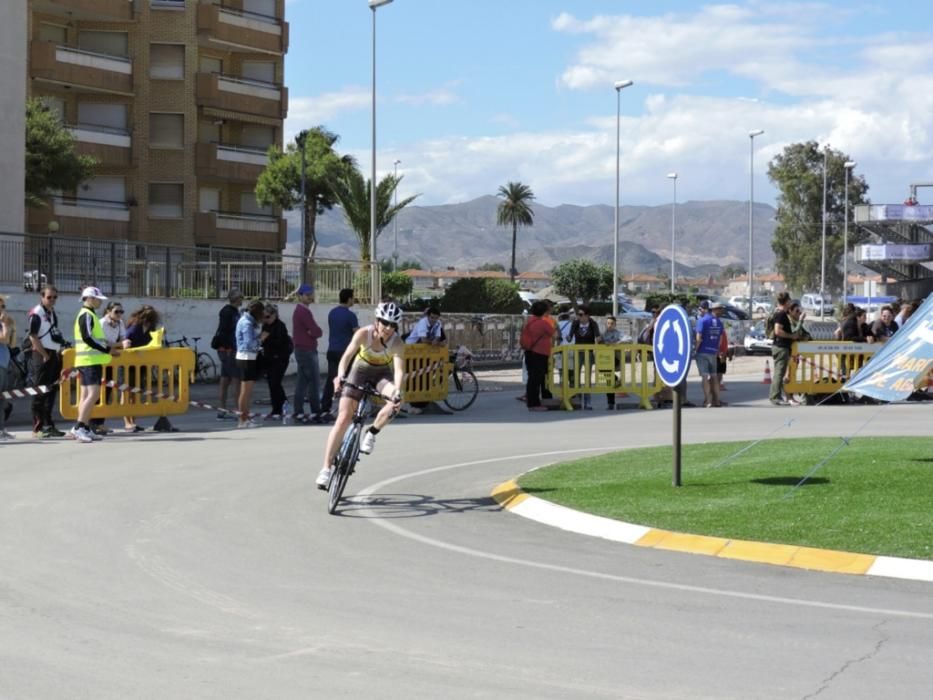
[823, 367]
[603, 369]
[163, 372]
[427, 369]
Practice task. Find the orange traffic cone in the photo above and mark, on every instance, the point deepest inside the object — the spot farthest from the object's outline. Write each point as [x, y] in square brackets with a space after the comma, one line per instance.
[767, 379]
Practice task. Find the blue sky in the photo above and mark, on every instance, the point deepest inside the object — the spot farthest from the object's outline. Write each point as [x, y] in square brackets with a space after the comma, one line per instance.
[473, 94]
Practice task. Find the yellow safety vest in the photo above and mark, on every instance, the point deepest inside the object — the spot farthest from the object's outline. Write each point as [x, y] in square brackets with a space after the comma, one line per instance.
[85, 355]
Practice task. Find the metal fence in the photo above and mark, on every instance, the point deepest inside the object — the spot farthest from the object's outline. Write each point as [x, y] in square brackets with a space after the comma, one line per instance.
[153, 270]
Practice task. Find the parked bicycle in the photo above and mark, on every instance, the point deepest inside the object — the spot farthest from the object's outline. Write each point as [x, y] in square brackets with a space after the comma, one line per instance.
[462, 386]
[349, 453]
[205, 368]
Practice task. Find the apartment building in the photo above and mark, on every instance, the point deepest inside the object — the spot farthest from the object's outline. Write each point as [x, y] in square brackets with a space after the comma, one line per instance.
[179, 100]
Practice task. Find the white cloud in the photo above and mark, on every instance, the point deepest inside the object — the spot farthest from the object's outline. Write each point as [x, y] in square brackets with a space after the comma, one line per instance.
[305, 112]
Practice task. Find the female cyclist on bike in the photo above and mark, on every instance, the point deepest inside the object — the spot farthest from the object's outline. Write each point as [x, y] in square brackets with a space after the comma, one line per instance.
[375, 355]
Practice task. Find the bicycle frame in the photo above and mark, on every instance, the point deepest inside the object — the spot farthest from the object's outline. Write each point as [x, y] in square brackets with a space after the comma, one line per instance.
[349, 453]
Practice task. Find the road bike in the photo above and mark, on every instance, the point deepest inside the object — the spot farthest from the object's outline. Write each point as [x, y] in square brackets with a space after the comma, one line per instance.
[349, 452]
[205, 368]
[462, 386]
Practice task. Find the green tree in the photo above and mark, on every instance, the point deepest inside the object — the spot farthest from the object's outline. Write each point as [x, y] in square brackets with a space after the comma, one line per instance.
[51, 161]
[386, 265]
[353, 191]
[279, 183]
[515, 210]
[582, 279]
[397, 285]
[797, 243]
[491, 267]
[482, 295]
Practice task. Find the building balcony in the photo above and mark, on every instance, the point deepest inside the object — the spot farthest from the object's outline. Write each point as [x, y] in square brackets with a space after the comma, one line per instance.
[87, 10]
[83, 218]
[82, 70]
[230, 163]
[230, 28]
[237, 230]
[232, 94]
[111, 147]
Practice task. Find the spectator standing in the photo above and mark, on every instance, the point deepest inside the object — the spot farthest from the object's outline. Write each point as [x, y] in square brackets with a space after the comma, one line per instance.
[584, 331]
[306, 332]
[787, 318]
[92, 352]
[536, 341]
[612, 336]
[341, 325]
[115, 333]
[45, 361]
[249, 338]
[7, 335]
[709, 332]
[139, 328]
[276, 352]
[885, 326]
[907, 310]
[224, 342]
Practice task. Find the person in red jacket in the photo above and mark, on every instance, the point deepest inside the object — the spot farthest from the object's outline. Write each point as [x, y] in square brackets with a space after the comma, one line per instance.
[536, 340]
[305, 334]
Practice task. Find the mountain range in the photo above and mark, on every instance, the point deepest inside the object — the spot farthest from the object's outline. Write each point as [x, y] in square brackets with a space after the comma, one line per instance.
[710, 236]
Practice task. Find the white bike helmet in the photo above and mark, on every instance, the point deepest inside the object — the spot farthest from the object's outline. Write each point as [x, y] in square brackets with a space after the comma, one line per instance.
[389, 312]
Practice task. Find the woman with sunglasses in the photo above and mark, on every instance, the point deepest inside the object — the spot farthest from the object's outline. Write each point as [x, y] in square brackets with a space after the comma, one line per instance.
[276, 351]
[115, 333]
[375, 355]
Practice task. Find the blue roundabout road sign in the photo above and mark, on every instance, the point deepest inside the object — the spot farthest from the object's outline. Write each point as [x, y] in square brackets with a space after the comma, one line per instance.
[672, 345]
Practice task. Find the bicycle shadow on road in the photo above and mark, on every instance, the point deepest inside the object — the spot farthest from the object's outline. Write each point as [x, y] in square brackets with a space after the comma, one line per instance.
[411, 505]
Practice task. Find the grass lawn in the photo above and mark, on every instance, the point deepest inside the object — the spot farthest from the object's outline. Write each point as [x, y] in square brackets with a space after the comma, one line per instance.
[874, 496]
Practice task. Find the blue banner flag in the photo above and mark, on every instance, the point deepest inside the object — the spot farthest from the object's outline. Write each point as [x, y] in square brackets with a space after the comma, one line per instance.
[903, 364]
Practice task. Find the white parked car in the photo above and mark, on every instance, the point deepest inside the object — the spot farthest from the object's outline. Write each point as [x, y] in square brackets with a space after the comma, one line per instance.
[816, 306]
[755, 341]
[762, 305]
[738, 300]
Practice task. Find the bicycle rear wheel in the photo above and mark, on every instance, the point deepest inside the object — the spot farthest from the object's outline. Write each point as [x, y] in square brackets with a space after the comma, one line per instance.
[344, 463]
[206, 368]
[462, 389]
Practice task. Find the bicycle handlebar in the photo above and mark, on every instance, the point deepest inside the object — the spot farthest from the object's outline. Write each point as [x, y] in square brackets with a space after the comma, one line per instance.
[367, 389]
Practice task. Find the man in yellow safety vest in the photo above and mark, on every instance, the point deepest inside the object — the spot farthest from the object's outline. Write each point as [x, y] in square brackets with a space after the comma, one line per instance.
[92, 352]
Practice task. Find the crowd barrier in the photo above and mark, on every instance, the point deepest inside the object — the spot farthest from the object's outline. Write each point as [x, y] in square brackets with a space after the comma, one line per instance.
[824, 367]
[151, 381]
[574, 370]
[427, 369]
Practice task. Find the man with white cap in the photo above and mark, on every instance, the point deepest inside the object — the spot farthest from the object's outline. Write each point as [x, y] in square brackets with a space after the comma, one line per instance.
[92, 352]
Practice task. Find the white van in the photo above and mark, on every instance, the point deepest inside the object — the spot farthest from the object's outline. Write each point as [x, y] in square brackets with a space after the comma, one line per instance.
[816, 306]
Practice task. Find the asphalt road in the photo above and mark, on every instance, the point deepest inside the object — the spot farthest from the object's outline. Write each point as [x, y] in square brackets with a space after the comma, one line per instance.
[203, 564]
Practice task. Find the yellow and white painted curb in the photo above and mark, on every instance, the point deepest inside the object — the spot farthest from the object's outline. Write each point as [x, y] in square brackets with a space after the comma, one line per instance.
[510, 496]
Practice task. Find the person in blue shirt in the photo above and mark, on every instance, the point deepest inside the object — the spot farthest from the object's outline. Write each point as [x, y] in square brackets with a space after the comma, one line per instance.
[341, 325]
[709, 329]
[429, 329]
[249, 339]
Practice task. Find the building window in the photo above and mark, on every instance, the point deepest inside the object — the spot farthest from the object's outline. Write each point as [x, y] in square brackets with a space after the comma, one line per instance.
[166, 200]
[104, 189]
[263, 71]
[112, 116]
[53, 33]
[166, 130]
[209, 64]
[167, 61]
[110, 43]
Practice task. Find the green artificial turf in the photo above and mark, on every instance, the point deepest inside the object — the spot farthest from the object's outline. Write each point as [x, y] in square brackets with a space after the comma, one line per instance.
[874, 495]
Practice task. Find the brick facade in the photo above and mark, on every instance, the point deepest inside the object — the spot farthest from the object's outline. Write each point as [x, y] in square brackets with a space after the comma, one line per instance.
[251, 109]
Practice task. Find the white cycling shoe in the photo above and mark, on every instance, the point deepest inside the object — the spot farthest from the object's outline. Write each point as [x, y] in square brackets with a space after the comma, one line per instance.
[369, 442]
[323, 478]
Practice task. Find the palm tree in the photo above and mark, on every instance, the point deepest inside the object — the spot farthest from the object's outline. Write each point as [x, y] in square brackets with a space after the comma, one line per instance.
[515, 210]
[352, 191]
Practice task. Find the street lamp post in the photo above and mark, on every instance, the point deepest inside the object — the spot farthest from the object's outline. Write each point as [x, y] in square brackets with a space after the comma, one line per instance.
[751, 215]
[619, 87]
[673, 176]
[300, 140]
[395, 221]
[823, 235]
[373, 5]
[849, 164]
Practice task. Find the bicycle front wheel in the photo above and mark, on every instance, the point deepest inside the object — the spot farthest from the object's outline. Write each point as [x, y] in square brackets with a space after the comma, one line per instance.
[462, 389]
[346, 460]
